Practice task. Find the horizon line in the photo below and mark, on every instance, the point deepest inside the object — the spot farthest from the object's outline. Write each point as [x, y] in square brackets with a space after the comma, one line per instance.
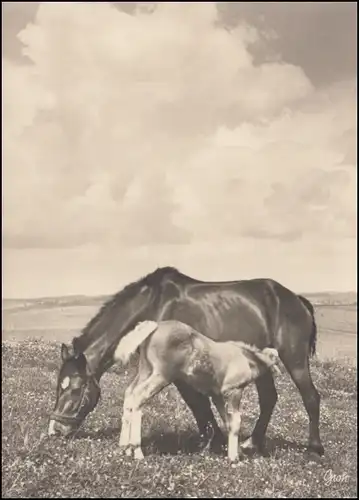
[81, 295]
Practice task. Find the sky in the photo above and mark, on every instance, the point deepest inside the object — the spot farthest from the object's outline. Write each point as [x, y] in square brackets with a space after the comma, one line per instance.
[216, 138]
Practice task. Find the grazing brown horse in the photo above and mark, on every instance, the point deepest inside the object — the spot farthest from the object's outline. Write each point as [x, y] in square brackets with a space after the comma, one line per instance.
[171, 350]
[260, 312]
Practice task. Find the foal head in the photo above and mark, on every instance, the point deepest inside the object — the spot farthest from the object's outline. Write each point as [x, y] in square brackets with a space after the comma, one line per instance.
[77, 394]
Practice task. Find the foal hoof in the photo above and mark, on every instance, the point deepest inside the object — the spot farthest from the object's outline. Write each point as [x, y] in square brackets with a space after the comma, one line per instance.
[138, 454]
[132, 452]
[122, 450]
[235, 459]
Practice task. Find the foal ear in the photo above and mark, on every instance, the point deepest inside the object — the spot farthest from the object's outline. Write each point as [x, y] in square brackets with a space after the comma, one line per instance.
[65, 353]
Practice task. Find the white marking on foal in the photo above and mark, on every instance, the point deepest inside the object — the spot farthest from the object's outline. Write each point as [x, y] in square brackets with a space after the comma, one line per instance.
[65, 383]
[136, 421]
[234, 427]
[51, 430]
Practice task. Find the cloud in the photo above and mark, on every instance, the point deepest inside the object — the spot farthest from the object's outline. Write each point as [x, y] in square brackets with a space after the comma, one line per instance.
[285, 178]
[160, 127]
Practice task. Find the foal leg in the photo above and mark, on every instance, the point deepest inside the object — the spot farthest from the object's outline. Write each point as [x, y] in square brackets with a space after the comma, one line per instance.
[220, 405]
[211, 434]
[126, 416]
[144, 391]
[143, 372]
[233, 417]
[268, 397]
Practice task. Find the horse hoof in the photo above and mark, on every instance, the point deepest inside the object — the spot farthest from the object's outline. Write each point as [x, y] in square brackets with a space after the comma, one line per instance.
[218, 444]
[203, 443]
[249, 447]
[316, 449]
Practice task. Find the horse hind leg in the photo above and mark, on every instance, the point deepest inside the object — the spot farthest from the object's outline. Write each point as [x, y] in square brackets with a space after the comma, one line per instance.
[300, 374]
[268, 396]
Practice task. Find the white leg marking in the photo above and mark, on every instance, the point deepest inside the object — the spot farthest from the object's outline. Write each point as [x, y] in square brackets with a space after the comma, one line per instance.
[125, 429]
[232, 446]
[136, 434]
[51, 430]
[143, 391]
[126, 417]
[234, 427]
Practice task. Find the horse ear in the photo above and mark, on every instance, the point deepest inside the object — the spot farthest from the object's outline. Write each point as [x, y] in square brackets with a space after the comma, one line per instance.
[65, 354]
[76, 346]
[82, 364]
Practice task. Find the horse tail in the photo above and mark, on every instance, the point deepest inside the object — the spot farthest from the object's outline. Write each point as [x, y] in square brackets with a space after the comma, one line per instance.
[313, 336]
[130, 342]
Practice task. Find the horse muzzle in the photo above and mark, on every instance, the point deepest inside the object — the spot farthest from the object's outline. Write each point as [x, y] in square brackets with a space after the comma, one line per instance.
[58, 429]
[62, 426]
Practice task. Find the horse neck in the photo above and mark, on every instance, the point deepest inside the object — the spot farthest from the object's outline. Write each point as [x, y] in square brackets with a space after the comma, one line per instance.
[104, 339]
[100, 357]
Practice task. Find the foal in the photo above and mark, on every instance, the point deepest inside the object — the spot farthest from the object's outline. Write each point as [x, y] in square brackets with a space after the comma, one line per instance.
[171, 350]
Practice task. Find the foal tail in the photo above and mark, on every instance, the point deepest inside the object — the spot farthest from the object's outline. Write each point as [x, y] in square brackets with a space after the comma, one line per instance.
[270, 357]
[130, 342]
[313, 336]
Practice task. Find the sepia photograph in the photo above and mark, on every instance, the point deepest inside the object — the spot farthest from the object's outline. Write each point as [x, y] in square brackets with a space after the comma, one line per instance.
[179, 249]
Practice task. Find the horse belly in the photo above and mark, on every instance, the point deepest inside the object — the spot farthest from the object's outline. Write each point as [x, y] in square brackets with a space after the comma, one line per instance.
[231, 321]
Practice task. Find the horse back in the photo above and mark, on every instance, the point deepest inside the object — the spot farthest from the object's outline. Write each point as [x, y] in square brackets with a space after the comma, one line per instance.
[258, 311]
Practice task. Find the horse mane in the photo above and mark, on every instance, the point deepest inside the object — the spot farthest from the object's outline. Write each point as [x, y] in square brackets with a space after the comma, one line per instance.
[152, 279]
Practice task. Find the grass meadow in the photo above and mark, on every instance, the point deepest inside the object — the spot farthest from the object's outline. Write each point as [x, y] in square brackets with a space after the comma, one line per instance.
[88, 465]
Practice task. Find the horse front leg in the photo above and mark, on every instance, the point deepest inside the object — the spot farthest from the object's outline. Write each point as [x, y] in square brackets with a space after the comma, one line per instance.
[211, 434]
[268, 396]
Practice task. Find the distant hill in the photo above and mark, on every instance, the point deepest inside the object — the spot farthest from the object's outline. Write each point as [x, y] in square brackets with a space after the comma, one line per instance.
[317, 298]
[49, 302]
[332, 298]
